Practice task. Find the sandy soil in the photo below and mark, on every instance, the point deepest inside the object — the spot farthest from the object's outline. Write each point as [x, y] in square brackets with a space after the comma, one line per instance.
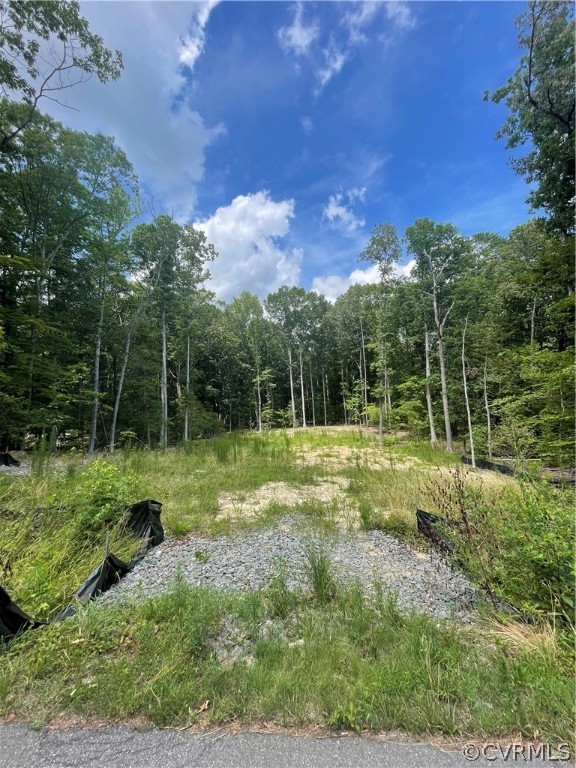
[250, 504]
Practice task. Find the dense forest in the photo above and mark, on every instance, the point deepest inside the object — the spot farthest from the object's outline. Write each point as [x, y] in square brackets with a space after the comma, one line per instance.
[108, 335]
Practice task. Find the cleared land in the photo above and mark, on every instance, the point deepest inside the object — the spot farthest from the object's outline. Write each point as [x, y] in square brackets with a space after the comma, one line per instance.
[317, 650]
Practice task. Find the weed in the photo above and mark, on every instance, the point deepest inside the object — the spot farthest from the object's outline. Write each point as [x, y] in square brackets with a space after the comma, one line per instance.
[345, 717]
[318, 569]
[280, 600]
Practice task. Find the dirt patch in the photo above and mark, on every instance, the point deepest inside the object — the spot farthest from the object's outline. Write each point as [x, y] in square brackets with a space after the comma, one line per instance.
[341, 456]
[476, 477]
[248, 505]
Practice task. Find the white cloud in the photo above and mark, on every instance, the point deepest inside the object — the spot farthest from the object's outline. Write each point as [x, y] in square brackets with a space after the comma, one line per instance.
[245, 234]
[360, 16]
[146, 109]
[357, 20]
[298, 37]
[332, 286]
[400, 14]
[307, 124]
[357, 193]
[194, 42]
[341, 216]
[334, 60]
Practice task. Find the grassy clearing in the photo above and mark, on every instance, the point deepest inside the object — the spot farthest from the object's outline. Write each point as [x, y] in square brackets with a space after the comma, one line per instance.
[336, 659]
[327, 656]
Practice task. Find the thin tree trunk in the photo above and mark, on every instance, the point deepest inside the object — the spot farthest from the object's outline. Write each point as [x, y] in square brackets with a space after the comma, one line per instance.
[441, 359]
[96, 383]
[119, 389]
[487, 407]
[258, 400]
[344, 396]
[292, 402]
[381, 402]
[387, 397]
[365, 376]
[433, 438]
[312, 397]
[164, 385]
[302, 388]
[532, 321]
[466, 400]
[324, 397]
[187, 404]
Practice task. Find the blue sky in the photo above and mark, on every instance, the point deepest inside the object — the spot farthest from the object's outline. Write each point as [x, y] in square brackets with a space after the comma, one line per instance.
[288, 130]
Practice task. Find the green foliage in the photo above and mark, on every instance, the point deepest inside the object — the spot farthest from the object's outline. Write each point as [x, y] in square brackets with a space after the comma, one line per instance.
[517, 541]
[31, 70]
[99, 496]
[355, 664]
[540, 97]
[280, 600]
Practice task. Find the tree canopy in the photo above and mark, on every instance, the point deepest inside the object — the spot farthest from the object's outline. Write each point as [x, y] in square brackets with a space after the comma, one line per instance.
[541, 98]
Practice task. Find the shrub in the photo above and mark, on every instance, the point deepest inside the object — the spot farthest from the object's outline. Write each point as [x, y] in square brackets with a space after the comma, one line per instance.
[516, 541]
[99, 495]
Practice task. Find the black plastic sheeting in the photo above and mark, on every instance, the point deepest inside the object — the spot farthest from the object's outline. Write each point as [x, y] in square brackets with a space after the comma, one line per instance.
[143, 519]
[430, 526]
[559, 478]
[483, 464]
[6, 460]
[12, 619]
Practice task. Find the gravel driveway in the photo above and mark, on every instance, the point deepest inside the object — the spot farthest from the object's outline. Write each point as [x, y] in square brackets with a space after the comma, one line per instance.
[248, 560]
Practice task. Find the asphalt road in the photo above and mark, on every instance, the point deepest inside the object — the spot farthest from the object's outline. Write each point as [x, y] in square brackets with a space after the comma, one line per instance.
[123, 747]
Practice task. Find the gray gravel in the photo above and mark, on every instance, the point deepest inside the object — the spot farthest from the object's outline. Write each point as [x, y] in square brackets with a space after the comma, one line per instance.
[249, 560]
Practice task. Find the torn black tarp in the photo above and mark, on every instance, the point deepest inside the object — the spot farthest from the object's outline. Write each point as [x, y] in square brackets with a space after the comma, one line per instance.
[108, 573]
[12, 619]
[143, 519]
[430, 526]
[483, 464]
[6, 460]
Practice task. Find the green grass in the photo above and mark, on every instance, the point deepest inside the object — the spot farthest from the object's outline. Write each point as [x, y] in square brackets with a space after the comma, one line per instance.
[347, 663]
[325, 656]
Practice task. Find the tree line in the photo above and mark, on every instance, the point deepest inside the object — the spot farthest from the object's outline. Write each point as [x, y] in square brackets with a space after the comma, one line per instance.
[109, 336]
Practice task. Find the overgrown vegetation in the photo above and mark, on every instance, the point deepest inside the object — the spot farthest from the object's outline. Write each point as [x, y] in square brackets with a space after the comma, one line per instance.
[326, 655]
[516, 540]
[351, 664]
[55, 528]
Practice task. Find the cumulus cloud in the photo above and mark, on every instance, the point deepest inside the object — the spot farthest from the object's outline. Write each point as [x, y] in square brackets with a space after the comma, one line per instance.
[247, 235]
[332, 286]
[298, 37]
[146, 109]
[340, 215]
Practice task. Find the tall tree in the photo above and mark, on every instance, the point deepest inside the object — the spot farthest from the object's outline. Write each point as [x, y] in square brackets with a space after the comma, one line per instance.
[541, 98]
[439, 251]
[165, 247]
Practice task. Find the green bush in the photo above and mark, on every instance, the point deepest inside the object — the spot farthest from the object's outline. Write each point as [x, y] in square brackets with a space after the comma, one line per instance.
[516, 541]
[99, 495]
